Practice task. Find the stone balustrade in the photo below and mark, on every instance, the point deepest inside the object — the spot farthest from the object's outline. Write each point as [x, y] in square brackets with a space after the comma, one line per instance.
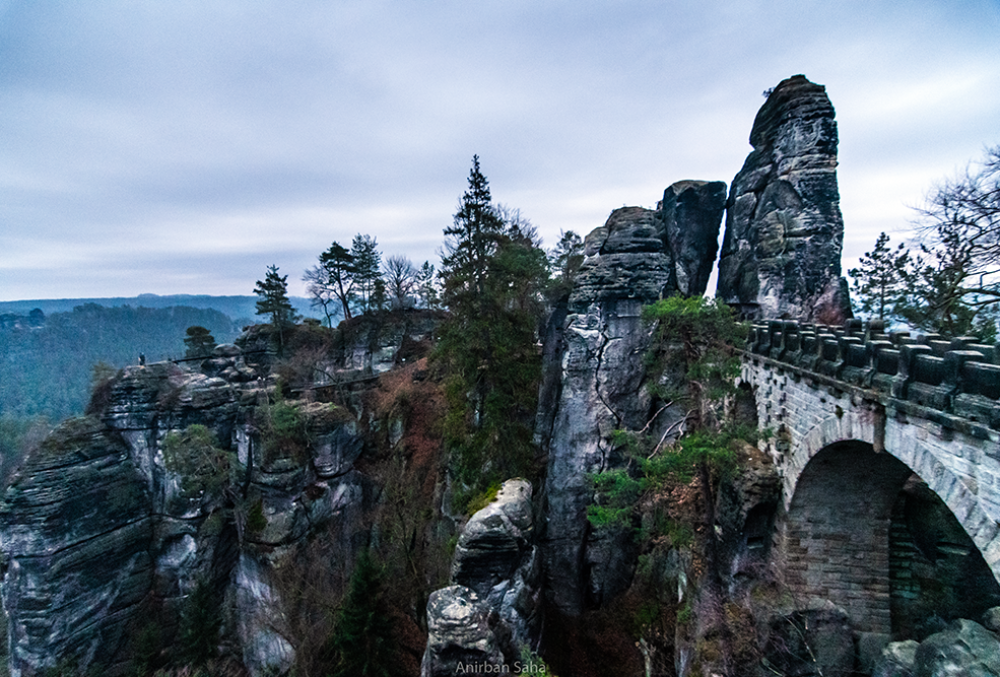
[960, 376]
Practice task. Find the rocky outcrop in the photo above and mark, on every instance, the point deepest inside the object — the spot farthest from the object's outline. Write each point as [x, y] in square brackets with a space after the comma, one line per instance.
[897, 659]
[495, 539]
[460, 639]
[103, 532]
[780, 255]
[691, 213]
[374, 343]
[494, 607]
[812, 642]
[636, 257]
[77, 535]
[965, 648]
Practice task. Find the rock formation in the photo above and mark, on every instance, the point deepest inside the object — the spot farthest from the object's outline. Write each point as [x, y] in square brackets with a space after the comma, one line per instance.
[100, 535]
[494, 607]
[963, 648]
[77, 536]
[460, 639]
[691, 212]
[784, 231]
[597, 359]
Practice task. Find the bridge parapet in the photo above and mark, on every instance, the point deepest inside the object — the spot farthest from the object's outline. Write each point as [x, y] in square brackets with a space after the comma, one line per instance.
[960, 376]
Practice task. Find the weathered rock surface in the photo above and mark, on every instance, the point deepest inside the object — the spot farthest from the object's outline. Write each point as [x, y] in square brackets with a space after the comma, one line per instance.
[897, 660]
[497, 562]
[495, 539]
[374, 344]
[812, 642]
[261, 620]
[691, 214]
[991, 619]
[601, 378]
[98, 531]
[965, 648]
[460, 639]
[77, 534]
[780, 255]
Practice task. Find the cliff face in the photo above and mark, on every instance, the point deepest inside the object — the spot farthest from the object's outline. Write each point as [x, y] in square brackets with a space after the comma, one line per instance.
[77, 538]
[104, 536]
[784, 231]
[638, 256]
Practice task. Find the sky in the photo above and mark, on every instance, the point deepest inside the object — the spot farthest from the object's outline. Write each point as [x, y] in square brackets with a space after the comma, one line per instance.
[184, 146]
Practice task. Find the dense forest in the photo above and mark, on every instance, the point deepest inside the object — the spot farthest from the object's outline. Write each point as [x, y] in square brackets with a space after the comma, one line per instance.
[48, 360]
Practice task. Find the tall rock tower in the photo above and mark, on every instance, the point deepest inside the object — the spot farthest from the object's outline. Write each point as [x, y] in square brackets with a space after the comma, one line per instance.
[596, 377]
[780, 255]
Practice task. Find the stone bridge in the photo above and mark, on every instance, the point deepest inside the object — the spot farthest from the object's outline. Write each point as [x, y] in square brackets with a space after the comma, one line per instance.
[887, 446]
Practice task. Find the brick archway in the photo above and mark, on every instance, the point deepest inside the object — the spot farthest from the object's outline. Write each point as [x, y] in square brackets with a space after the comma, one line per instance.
[839, 500]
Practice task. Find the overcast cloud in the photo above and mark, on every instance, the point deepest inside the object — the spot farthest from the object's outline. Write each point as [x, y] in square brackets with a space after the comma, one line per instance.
[181, 147]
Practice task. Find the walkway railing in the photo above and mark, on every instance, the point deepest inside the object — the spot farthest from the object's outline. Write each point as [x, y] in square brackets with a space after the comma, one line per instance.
[959, 375]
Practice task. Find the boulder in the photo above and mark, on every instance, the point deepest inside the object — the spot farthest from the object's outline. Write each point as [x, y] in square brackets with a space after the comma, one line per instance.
[991, 619]
[780, 255]
[459, 637]
[965, 649]
[897, 660]
[494, 540]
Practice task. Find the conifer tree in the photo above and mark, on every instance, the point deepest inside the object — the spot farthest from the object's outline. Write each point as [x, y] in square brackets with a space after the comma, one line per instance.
[492, 274]
[332, 278]
[367, 268]
[426, 288]
[199, 342]
[362, 642]
[880, 284]
[273, 301]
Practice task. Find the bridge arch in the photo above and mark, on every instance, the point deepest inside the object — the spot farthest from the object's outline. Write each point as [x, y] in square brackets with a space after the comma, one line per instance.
[848, 528]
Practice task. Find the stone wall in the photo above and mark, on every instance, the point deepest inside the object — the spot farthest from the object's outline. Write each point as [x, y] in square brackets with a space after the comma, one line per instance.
[850, 421]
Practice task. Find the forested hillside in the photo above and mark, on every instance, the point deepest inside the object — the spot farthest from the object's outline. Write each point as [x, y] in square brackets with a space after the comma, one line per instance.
[242, 309]
[47, 361]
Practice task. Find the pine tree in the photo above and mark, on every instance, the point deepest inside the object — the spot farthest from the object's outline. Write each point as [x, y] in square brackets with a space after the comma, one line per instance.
[333, 278]
[426, 289]
[362, 642]
[492, 274]
[367, 268]
[199, 342]
[273, 293]
[881, 282]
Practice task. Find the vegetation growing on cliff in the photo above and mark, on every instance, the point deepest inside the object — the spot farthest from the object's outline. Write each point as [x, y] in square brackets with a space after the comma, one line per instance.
[493, 274]
[195, 457]
[668, 488]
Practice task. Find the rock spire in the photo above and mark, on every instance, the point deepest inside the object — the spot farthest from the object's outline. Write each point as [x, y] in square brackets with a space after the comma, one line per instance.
[784, 231]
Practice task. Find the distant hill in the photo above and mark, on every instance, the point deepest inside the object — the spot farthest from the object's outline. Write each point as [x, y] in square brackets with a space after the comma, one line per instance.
[240, 309]
[47, 359]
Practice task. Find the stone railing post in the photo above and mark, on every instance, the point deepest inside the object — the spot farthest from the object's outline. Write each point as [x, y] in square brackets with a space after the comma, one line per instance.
[905, 372]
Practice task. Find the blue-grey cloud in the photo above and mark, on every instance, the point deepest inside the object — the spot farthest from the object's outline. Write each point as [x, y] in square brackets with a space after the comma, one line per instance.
[183, 146]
